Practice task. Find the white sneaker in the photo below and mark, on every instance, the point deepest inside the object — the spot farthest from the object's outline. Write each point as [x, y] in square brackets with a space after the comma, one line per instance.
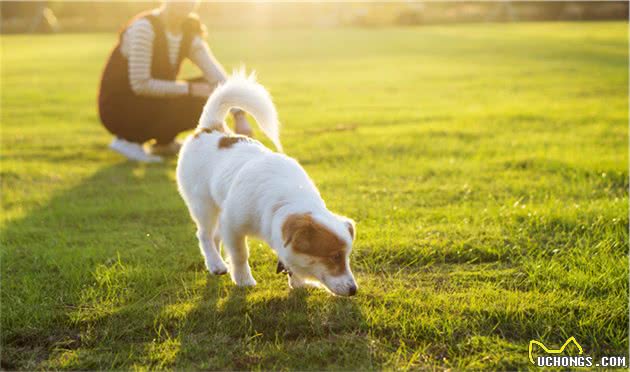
[133, 151]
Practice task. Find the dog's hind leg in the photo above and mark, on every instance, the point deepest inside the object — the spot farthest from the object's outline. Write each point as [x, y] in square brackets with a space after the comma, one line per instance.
[236, 248]
[217, 239]
[206, 216]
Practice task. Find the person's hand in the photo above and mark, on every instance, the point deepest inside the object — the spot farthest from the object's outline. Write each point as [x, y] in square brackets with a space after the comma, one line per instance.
[200, 89]
[241, 125]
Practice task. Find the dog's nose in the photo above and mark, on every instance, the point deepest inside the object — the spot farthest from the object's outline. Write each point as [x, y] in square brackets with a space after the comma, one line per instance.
[352, 290]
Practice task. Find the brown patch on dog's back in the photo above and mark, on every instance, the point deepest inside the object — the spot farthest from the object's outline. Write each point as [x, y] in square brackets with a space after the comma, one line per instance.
[227, 141]
[214, 128]
[314, 239]
[199, 131]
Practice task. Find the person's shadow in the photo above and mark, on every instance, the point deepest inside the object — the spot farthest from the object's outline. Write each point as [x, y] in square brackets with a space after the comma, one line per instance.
[107, 274]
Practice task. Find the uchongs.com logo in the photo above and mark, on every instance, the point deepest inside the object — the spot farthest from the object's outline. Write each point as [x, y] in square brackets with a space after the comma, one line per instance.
[551, 358]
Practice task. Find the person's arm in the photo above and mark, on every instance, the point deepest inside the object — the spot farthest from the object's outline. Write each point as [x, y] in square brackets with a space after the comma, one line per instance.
[140, 59]
[212, 70]
[214, 74]
[202, 57]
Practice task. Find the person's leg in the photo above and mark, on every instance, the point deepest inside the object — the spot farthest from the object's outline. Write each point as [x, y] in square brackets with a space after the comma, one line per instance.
[133, 151]
[126, 119]
[178, 114]
[133, 118]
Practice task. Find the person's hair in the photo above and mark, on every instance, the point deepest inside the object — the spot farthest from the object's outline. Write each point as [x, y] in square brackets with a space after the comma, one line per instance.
[193, 8]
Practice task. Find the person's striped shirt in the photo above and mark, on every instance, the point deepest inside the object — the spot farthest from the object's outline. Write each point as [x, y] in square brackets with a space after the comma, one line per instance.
[137, 47]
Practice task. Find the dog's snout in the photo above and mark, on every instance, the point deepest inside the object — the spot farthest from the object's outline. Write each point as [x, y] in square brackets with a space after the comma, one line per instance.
[341, 286]
[352, 290]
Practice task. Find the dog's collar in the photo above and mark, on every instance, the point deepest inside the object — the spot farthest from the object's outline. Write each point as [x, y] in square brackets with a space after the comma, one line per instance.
[281, 269]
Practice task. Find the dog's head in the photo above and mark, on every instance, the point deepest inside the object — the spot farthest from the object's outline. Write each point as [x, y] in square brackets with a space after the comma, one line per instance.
[319, 250]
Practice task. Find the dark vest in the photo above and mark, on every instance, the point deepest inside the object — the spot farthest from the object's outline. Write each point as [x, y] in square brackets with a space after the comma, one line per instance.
[115, 84]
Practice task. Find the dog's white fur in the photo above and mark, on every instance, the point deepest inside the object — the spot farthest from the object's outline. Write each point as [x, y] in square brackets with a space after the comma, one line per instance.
[248, 190]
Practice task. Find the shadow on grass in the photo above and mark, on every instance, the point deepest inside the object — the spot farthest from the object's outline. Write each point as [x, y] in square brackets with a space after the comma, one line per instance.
[106, 275]
[251, 328]
[51, 256]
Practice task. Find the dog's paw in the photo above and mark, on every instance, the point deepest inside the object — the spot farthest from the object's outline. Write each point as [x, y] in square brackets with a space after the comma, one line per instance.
[247, 282]
[243, 279]
[217, 268]
[242, 275]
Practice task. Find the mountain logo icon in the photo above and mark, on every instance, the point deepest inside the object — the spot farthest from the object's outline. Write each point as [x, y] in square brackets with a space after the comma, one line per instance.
[553, 351]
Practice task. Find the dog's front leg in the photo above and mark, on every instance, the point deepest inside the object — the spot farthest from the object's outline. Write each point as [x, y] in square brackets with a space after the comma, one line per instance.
[236, 248]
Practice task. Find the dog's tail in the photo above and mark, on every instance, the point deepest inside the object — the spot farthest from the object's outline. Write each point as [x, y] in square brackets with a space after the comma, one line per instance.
[243, 92]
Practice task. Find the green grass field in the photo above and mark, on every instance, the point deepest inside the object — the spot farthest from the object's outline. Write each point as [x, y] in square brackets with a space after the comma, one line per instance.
[486, 167]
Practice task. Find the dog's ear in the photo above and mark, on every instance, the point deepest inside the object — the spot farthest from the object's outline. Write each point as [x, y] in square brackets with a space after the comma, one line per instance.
[351, 227]
[298, 230]
[310, 237]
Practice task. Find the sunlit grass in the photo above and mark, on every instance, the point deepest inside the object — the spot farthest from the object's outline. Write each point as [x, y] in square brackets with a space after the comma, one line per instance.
[486, 166]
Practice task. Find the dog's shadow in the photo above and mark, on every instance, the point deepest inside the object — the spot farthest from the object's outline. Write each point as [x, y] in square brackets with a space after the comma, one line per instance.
[251, 328]
[129, 280]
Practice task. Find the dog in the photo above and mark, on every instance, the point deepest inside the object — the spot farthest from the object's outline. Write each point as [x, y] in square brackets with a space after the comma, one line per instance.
[235, 187]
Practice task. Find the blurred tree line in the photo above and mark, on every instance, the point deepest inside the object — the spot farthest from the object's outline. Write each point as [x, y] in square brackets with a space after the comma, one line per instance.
[108, 16]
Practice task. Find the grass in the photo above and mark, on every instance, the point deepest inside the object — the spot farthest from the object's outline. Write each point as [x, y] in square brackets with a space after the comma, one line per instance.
[486, 167]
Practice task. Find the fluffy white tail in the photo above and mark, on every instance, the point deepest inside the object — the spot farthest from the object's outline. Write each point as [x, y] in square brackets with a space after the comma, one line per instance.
[243, 92]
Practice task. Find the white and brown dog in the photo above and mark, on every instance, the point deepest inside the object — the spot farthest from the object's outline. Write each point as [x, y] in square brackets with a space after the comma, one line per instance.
[235, 187]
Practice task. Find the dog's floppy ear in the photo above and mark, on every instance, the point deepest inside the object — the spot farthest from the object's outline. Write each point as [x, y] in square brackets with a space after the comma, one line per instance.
[351, 227]
[298, 229]
[310, 237]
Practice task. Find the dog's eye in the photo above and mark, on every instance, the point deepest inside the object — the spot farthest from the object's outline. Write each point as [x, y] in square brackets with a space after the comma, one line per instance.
[337, 257]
